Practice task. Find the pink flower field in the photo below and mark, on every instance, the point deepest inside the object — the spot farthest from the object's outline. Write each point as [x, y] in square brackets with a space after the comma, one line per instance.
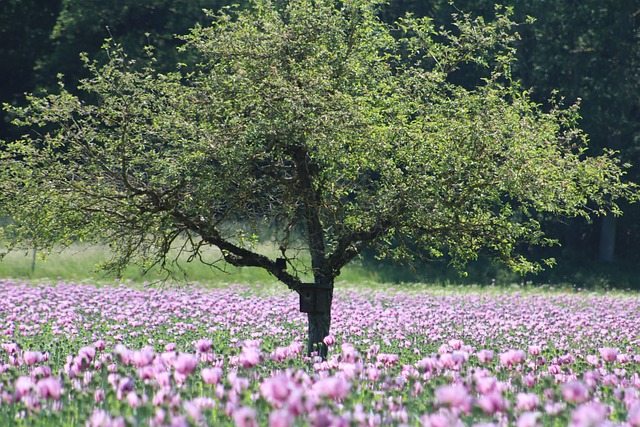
[74, 354]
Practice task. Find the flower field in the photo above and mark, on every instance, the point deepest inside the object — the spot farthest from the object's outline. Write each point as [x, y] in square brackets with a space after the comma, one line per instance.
[76, 354]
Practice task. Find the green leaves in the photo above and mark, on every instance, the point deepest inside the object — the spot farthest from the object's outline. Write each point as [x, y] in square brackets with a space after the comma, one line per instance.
[307, 116]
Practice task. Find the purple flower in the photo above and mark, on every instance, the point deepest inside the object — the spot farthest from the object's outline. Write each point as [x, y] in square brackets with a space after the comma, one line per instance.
[185, 363]
[211, 375]
[608, 354]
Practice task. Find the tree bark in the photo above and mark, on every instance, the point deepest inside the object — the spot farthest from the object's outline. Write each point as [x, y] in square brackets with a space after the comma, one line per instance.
[319, 328]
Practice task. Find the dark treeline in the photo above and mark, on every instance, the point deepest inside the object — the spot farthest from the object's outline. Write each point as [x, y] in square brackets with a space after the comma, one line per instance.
[582, 50]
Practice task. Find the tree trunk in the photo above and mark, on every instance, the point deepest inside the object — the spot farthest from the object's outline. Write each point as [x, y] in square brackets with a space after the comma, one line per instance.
[607, 238]
[319, 327]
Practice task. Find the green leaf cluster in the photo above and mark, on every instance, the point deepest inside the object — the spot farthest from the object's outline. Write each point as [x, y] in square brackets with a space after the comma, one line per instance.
[309, 116]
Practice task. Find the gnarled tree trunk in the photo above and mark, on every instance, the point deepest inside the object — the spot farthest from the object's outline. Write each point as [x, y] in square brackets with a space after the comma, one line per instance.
[319, 328]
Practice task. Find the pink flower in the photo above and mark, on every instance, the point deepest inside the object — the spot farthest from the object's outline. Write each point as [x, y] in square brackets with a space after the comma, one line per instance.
[88, 352]
[133, 399]
[455, 344]
[623, 358]
[99, 418]
[23, 386]
[143, 357]
[534, 350]
[185, 363]
[373, 373]
[280, 354]
[527, 401]
[485, 356]
[454, 396]
[49, 388]
[633, 418]
[10, 347]
[124, 353]
[485, 385]
[442, 419]
[163, 378]
[332, 387]
[276, 389]
[528, 419]
[593, 360]
[98, 395]
[590, 414]
[245, 417]
[575, 392]
[491, 403]
[512, 357]
[99, 345]
[529, 380]
[211, 375]
[42, 370]
[32, 357]
[249, 356]
[329, 340]
[203, 345]
[281, 418]
[608, 354]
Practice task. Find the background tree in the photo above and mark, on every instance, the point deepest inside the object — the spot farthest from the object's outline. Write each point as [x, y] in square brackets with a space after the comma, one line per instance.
[310, 114]
[25, 26]
[590, 51]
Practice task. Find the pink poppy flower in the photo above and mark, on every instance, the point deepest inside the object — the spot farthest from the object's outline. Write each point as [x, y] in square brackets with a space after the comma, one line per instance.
[485, 356]
[455, 344]
[203, 345]
[133, 399]
[454, 396]
[88, 352]
[529, 419]
[592, 360]
[249, 356]
[49, 387]
[608, 354]
[335, 388]
[32, 357]
[588, 415]
[527, 401]
[512, 357]
[143, 357]
[276, 389]
[245, 417]
[575, 392]
[491, 403]
[329, 340]
[185, 363]
[281, 418]
[211, 375]
[633, 417]
[23, 386]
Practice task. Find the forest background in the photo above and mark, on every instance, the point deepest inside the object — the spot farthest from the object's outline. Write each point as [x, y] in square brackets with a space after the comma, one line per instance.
[584, 50]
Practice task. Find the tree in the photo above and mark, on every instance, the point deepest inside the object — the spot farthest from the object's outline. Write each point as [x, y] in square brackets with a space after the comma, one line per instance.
[309, 114]
[589, 50]
[24, 30]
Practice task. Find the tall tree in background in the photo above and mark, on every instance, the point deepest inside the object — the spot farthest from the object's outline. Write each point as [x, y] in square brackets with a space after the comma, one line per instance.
[25, 26]
[310, 114]
[589, 50]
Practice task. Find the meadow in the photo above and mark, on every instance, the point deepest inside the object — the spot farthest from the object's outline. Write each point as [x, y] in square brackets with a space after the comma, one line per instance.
[89, 354]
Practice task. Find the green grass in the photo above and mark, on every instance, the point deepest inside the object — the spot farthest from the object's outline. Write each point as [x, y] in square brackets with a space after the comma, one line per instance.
[78, 263]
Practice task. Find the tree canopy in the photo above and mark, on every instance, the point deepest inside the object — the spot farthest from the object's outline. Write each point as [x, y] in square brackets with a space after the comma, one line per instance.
[310, 115]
